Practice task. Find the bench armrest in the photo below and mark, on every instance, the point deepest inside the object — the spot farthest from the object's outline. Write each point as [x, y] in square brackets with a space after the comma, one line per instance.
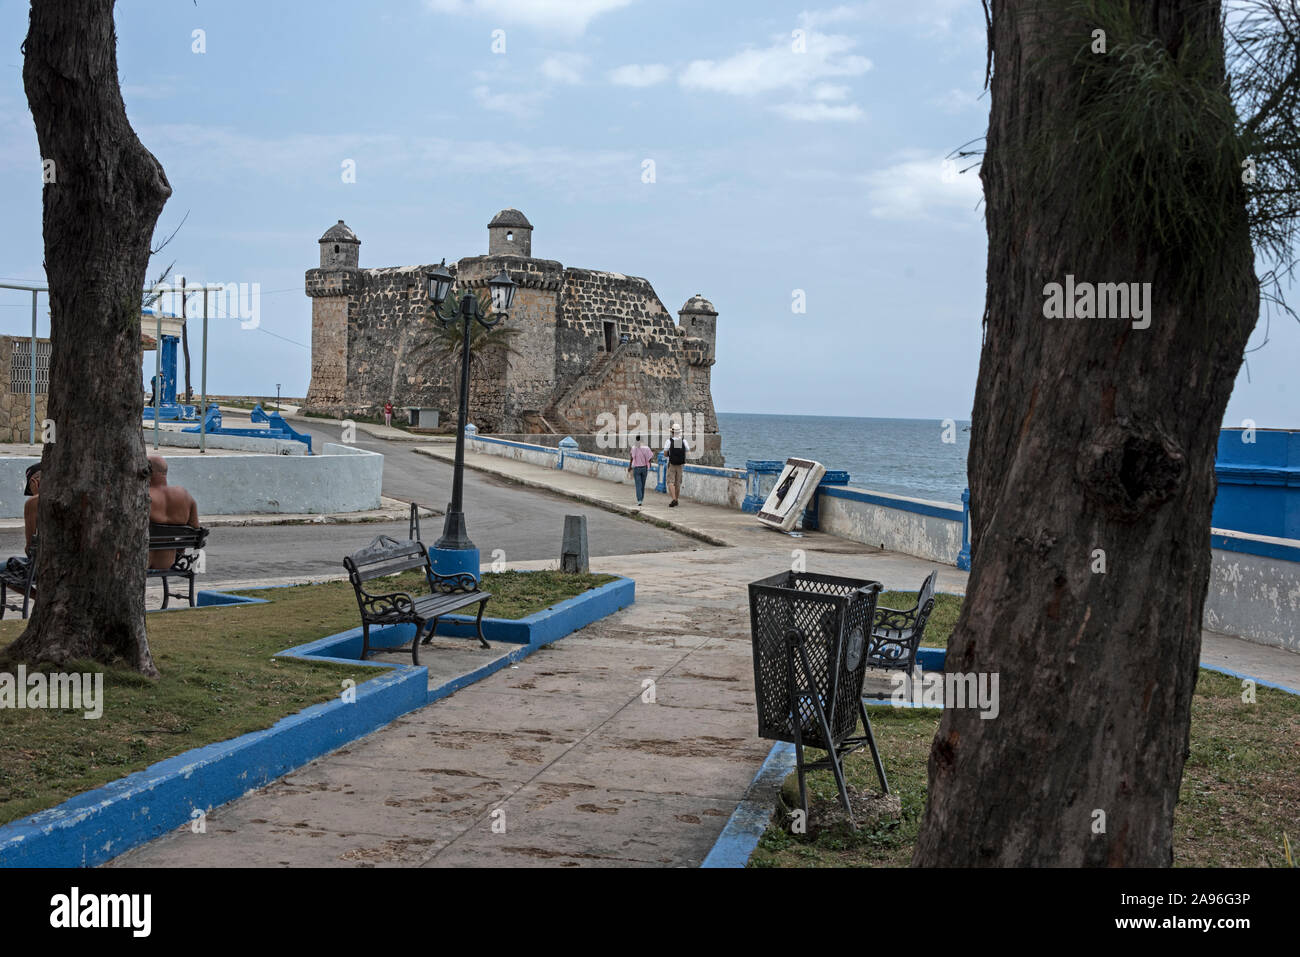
[447, 584]
[395, 603]
[894, 618]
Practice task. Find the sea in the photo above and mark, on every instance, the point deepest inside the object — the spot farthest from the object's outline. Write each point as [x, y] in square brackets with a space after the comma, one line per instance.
[901, 456]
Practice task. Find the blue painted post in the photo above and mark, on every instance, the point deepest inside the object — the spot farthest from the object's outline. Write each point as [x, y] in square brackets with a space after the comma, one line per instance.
[762, 473]
[662, 485]
[168, 384]
[832, 477]
[566, 444]
[963, 557]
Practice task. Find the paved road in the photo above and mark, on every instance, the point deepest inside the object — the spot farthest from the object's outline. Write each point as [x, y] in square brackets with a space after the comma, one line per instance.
[526, 525]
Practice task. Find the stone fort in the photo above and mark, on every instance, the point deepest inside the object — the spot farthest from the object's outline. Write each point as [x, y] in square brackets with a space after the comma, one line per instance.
[589, 342]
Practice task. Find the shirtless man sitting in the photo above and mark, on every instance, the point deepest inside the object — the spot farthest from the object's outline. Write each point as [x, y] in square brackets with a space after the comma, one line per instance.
[168, 505]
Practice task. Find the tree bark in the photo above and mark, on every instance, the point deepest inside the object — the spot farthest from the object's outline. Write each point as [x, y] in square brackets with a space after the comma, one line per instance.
[1087, 435]
[99, 217]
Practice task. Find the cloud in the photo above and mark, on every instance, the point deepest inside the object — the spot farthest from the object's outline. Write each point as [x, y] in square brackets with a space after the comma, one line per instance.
[777, 67]
[522, 105]
[229, 156]
[564, 67]
[560, 16]
[959, 101]
[794, 65]
[640, 76]
[820, 112]
[961, 20]
[922, 186]
[829, 91]
[821, 18]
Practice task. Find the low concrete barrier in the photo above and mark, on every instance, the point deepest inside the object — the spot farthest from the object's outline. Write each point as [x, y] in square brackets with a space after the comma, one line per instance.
[1254, 583]
[1255, 588]
[340, 478]
[700, 483]
[238, 443]
[912, 526]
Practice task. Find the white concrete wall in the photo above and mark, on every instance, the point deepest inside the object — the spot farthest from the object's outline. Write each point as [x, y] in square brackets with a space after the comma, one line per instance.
[896, 529]
[1254, 596]
[339, 479]
[532, 454]
[717, 486]
[713, 486]
[240, 443]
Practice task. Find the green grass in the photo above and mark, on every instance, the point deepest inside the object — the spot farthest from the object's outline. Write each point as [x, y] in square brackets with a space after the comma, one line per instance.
[220, 679]
[1240, 791]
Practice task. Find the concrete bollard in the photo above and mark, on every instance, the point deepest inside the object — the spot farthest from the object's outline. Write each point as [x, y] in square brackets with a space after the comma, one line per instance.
[574, 557]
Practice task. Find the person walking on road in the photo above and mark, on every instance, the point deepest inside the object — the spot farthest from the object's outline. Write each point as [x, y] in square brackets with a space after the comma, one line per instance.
[639, 466]
[676, 448]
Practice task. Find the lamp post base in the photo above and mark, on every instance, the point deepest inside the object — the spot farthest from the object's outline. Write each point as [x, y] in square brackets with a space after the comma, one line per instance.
[455, 561]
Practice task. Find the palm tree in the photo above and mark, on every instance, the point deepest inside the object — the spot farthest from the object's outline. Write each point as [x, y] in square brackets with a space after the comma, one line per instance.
[444, 341]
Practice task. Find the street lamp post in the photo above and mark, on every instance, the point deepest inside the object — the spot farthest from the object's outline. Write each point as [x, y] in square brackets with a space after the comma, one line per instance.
[454, 553]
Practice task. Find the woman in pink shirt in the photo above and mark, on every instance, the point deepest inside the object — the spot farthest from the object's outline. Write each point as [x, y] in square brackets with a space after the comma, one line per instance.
[639, 466]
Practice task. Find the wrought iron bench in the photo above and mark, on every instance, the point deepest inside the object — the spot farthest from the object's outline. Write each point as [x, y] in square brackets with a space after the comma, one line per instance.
[187, 542]
[896, 635]
[448, 593]
[19, 579]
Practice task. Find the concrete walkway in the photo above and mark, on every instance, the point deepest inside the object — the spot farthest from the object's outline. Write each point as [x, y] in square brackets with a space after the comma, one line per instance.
[626, 744]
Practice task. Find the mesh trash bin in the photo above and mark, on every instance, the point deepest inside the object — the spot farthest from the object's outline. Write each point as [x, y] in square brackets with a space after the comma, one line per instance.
[810, 636]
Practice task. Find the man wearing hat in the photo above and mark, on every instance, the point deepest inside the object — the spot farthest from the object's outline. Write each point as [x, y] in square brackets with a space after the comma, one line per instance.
[33, 489]
[675, 448]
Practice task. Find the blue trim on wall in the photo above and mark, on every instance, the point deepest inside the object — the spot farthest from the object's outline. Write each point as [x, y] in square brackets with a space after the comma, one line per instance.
[100, 824]
[1287, 550]
[517, 445]
[951, 512]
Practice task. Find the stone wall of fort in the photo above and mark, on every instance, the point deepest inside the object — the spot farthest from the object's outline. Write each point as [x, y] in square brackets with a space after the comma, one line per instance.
[588, 343]
[15, 397]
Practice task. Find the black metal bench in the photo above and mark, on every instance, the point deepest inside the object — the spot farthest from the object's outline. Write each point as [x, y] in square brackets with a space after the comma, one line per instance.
[448, 593]
[187, 542]
[896, 635]
[19, 580]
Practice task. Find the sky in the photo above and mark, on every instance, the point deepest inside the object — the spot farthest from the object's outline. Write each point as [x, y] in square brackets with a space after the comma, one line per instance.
[767, 155]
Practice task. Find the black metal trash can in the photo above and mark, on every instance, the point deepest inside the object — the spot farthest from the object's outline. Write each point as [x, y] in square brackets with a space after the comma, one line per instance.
[810, 638]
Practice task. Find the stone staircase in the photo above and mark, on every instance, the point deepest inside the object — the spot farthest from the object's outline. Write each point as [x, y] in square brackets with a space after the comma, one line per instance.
[566, 393]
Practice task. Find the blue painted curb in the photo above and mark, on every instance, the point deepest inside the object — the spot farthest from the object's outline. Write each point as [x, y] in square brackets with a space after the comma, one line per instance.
[753, 814]
[1259, 681]
[100, 824]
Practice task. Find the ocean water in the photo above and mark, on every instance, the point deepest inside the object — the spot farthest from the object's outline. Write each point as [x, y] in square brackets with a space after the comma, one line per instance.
[901, 456]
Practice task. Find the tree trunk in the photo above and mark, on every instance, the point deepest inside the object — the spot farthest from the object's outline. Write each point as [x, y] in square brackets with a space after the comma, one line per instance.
[1093, 441]
[99, 218]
